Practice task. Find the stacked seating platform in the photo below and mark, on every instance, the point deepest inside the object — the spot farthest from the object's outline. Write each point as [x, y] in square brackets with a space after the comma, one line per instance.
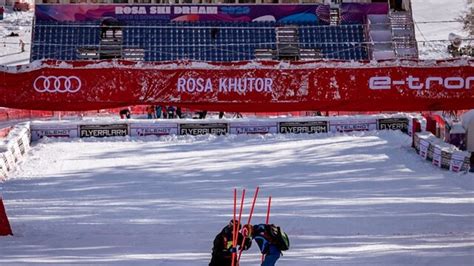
[201, 40]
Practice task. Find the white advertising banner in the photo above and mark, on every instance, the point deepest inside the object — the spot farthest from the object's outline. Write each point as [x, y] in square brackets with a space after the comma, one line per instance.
[253, 128]
[39, 131]
[424, 145]
[437, 158]
[3, 167]
[153, 129]
[15, 150]
[10, 160]
[459, 161]
[353, 125]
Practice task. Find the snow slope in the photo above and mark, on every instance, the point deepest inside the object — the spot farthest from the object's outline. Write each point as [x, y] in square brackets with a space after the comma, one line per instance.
[442, 16]
[10, 51]
[356, 199]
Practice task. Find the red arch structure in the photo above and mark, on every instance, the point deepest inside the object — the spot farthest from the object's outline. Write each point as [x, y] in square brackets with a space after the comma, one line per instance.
[263, 86]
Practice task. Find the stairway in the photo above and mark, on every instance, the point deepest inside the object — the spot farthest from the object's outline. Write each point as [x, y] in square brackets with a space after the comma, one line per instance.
[379, 32]
[403, 35]
[287, 42]
[264, 54]
[110, 46]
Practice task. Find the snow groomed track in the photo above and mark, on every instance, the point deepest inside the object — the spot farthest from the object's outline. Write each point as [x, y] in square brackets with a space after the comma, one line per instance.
[351, 199]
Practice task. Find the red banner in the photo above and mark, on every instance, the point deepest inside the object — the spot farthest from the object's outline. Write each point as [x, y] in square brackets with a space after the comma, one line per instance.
[243, 86]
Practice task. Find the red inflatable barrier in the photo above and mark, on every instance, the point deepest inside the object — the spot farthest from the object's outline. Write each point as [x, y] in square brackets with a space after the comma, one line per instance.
[5, 228]
[241, 87]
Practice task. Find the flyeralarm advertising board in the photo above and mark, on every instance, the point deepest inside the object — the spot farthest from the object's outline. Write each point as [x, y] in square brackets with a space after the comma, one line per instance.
[203, 128]
[100, 131]
[303, 127]
[397, 123]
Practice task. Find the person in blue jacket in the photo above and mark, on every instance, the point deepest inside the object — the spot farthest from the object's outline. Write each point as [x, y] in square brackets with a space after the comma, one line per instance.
[260, 234]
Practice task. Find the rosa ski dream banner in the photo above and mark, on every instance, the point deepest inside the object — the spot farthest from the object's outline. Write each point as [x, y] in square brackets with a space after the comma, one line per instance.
[242, 86]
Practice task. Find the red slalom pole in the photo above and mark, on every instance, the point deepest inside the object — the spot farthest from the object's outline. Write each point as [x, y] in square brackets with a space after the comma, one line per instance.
[267, 220]
[250, 218]
[234, 227]
[241, 208]
[268, 210]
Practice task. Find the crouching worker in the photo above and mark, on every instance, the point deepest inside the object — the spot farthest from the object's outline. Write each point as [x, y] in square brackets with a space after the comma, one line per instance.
[271, 240]
[222, 250]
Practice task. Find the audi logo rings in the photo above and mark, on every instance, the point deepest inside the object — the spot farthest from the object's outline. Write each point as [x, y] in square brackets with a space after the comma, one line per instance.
[61, 84]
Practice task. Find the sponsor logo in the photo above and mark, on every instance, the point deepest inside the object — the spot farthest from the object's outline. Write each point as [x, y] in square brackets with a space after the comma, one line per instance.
[303, 127]
[416, 83]
[225, 85]
[353, 127]
[252, 130]
[55, 133]
[202, 129]
[21, 146]
[393, 124]
[61, 84]
[153, 131]
[98, 131]
[166, 10]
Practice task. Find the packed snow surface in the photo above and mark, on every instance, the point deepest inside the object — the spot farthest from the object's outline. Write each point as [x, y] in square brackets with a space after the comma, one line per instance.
[10, 48]
[352, 199]
[434, 21]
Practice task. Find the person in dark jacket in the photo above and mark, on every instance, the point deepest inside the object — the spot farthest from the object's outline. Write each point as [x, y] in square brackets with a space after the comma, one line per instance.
[125, 113]
[158, 111]
[179, 113]
[261, 235]
[222, 250]
[171, 112]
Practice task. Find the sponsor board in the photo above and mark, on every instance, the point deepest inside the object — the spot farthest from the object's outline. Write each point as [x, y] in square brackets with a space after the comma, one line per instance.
[253, 128]
[3, 175]
[423, 150]
[57, 84]
[4, 162]
[353, 125]
[15, 151]
[203, 128]
[27, 140]
[430, 151]
[445, 159]
[421, 83]
[393, 124]
[249, 86]
[101, 131]
[21, 146]
[53, 131]
[437, 156]
[3, 166]
[303, 127]
[459, 162]
[9, 160]
[416, 142]
[155, 129]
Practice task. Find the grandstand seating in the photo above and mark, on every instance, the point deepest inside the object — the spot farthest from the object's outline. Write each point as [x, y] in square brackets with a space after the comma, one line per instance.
[206, 41]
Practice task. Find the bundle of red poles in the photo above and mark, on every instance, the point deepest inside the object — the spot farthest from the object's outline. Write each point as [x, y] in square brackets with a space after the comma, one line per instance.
[237, 223]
